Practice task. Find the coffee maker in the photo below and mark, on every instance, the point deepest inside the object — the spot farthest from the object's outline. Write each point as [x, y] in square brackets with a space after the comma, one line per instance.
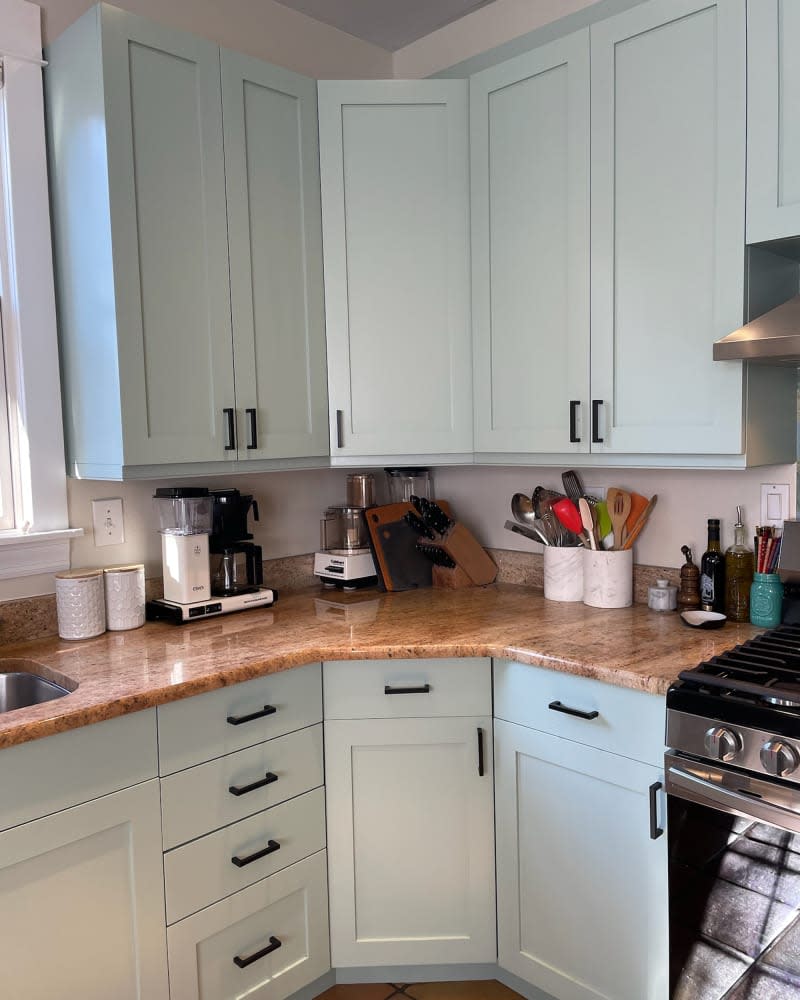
[189, 517]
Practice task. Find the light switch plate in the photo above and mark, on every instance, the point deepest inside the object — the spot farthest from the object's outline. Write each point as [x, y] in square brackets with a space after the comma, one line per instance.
[774, 504]
[109, 528]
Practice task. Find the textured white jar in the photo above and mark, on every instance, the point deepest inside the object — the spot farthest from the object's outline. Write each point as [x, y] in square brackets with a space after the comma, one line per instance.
[80, 603]
[124, 587]
[563, 573]
[608, 578]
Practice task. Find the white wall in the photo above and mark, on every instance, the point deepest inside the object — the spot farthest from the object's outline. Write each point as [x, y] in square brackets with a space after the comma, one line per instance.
[261, 28]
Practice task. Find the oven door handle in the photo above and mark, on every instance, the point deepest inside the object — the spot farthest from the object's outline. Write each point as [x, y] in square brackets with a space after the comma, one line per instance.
[686, 785]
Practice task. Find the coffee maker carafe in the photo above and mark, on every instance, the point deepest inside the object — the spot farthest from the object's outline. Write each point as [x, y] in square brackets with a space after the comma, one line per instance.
[236, 563]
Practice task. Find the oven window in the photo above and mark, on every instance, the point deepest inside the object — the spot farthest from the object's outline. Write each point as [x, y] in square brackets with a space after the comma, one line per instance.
[734, 887]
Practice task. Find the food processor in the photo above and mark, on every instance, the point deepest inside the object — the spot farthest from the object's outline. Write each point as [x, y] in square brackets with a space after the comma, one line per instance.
[345, 560]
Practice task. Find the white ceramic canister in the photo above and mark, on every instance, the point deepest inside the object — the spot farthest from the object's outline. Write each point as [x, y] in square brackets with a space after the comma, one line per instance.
[608, 578]
[662, 596]
[124, 586]
[563, 572]
[80, 603]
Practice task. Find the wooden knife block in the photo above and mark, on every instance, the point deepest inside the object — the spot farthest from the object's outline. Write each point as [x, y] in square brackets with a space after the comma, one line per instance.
[474, 566]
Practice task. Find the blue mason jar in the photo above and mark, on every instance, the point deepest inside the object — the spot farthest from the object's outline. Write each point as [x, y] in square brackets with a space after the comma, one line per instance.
[766, 600]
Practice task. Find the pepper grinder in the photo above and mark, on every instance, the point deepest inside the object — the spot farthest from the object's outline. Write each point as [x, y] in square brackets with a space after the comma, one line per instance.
[689, 593]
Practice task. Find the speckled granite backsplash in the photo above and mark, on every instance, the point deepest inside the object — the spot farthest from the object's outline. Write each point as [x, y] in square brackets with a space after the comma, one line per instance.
[35, 617]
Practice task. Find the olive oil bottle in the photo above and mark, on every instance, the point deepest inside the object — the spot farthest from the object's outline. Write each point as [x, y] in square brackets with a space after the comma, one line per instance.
[738, 574]
[712, 572]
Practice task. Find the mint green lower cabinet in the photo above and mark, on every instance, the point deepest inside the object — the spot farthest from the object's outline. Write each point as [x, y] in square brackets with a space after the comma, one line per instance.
[581, 887]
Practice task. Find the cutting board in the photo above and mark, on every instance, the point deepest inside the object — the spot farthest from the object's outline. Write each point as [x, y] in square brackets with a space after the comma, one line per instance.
[393, 543]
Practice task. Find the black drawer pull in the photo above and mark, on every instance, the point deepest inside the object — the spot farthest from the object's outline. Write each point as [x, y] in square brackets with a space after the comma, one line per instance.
[271, 848]
[237, 720]
[655, 829]
[251, 414]
[480, 752]
[273, 945]
[573, 421]
[268, 779]
[425, 689]
[558, 707]
[231, 424]
[596, 404]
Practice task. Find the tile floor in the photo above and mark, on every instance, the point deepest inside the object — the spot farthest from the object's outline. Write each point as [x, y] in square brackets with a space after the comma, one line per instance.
[485, 990]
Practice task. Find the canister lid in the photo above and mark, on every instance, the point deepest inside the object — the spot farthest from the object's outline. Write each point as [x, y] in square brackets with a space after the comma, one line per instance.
[662, 583]
[78, 574]
[132, 568]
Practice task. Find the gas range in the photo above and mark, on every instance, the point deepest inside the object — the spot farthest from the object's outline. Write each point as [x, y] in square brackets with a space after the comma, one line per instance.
[742, 708]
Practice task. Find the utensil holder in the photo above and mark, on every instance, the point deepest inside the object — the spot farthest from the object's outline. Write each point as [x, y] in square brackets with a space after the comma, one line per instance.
[608, 578]
[563, 573]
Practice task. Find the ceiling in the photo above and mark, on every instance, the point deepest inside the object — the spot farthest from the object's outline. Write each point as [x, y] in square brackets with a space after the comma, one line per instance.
[391, 24]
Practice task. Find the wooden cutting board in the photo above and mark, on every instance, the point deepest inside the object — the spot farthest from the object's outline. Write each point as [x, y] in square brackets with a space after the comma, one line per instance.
[393, 542]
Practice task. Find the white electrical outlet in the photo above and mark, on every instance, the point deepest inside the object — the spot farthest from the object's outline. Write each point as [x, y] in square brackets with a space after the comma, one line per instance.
[596, 491]
[774, 504]
[107, 520]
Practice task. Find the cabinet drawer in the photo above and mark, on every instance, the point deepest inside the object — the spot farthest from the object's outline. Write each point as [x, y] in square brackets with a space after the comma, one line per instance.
[287, 913]
[220, 722]
[47, 775]
[204, 871]
[630, 723]
[384, 689]
[199, 800]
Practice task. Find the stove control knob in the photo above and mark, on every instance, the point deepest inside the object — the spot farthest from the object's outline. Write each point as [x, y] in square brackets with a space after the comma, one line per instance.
[779, 758]
[722, 744]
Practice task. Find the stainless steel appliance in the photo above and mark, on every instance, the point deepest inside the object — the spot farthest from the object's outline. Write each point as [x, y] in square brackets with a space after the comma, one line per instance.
[732, 778]
[345, 559]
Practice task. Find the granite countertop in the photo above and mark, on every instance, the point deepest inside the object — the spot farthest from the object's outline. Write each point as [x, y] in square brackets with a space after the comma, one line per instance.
[121, 672]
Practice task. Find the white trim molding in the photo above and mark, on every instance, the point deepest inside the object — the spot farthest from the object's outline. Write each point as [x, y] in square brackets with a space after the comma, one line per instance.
[36, 553]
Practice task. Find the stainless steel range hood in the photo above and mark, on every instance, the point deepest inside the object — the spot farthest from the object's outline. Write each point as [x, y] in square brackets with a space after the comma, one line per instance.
[774, 338]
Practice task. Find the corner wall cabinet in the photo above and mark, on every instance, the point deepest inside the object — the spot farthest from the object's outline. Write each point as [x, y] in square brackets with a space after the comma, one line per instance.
[395, 209]
[773, 127]
[581, 884]
[410, 824]
[146, 142]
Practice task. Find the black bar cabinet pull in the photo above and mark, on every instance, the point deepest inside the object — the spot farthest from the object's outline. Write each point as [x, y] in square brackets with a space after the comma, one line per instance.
[480, 752]
[253, 443]
[228, 414]
[340, 428]
[237, 720]
[425, 689]
[596, 404]
[272, 846]
[577, 712]
[655, 829]
[273, 945]
[268, 779]
[573, 421]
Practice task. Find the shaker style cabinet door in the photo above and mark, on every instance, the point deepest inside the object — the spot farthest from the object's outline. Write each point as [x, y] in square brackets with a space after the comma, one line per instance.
[581, 886]
[410, 841]
[395, 213]
[773, 122]
[529, 144]
[275, 241]
[82, 902]
[668, 165]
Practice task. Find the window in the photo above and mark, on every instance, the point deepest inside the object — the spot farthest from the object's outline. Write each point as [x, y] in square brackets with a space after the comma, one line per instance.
[33, 503]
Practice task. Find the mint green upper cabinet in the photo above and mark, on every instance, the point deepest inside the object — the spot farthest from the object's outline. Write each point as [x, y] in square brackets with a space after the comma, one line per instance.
[668, 165]
[395, 212]
[275, 238]
[773, 121]
[173, 354]
[529, 138]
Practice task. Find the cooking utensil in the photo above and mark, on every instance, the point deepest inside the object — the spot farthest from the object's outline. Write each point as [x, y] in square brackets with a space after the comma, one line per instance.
[572, 485]
[587, 518]
[436, 554]
[567, 513]
[604, 527]
[636, 530]
[522, 508]
[532, 531]
[638, 504]
[418, 525]
[619, 507]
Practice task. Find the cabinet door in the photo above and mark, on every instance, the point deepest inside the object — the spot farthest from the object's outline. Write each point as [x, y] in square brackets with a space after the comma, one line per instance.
[410, 841]
[773, 125]
[82, 902]
[668, 162]
[529, 144]
[581, 887]
[275, 242]
[169, 230]
[395, 213]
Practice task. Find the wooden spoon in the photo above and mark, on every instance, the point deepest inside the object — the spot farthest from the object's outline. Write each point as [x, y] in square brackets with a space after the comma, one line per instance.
[587, 518]
[619, 507]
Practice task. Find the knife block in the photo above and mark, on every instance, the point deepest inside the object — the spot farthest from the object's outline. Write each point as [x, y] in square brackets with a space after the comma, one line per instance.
[474, 567]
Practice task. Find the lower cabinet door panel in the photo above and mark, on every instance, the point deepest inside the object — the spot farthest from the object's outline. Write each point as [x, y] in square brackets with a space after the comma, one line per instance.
[81, 902]
[411, 841]
[264, 943]
[581, 886]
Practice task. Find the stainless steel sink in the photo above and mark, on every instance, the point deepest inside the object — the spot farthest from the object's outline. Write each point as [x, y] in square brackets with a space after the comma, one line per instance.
[21, 687]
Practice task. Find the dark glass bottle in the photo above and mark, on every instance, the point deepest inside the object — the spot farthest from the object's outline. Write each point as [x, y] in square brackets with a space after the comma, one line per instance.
[712, 572]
